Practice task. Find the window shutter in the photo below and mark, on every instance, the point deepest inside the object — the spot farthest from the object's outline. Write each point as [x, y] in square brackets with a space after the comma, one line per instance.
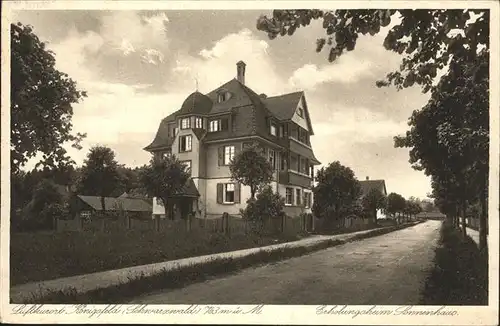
[237, 193]
[224, 124]
[219, 192]
[221, 155]
[237, 148]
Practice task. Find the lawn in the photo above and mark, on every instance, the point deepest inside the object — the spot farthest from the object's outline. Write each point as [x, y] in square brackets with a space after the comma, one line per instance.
[49, 255]
[460, 273]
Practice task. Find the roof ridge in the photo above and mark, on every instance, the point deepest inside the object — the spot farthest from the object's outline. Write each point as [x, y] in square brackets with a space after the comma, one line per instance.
[286, 94]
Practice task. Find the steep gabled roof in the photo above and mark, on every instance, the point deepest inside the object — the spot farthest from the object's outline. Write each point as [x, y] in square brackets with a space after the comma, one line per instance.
[368, 185]
[283, 106]
[250, 111]
[239, 97]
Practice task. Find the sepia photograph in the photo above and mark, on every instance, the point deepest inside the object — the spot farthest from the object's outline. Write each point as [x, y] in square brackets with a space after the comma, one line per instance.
[203, 161]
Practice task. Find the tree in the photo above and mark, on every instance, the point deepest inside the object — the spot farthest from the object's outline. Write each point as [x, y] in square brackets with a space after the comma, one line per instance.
[413, 206]
[267, 206]
[373, 201]
[99, 173]
[46, 205]
[336, 193]
[251, 168]
[41, 102]
[164, 178]
[449, 137]
[395, 204]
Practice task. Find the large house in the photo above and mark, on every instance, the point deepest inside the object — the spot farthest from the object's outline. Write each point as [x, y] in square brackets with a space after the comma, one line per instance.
[210, 129]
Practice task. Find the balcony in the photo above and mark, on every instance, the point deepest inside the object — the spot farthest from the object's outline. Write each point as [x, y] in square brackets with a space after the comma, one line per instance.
[295, 178]
[303, 150]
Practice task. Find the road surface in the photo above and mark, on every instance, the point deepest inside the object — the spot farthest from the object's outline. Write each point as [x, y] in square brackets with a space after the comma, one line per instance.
[386, 270]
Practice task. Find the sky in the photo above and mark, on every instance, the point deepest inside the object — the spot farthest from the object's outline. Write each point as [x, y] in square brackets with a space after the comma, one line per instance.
[138, 67]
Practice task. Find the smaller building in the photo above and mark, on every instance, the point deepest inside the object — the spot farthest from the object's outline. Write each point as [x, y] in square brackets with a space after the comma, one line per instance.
[368, 185]
[87, 207]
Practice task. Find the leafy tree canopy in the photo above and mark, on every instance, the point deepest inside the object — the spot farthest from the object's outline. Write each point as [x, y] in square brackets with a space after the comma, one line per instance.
[251, 168]
[336, 192]
[164, 177]
[41, 102]
[395, 203]
[99, 176]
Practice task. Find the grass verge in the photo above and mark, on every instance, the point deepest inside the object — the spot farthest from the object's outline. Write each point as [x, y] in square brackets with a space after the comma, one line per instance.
[460, 273]
[39, 256]
[180, 277]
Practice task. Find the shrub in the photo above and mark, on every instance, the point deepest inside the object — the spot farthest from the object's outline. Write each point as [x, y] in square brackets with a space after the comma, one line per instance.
[266, 208]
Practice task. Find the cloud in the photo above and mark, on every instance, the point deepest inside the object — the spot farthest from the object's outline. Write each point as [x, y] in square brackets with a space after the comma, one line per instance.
[72, 52]
[128, 31]
[152, 56]
[217, 64]
[343, 70]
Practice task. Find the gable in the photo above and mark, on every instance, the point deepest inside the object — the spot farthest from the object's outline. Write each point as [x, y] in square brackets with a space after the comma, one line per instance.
[301, 115]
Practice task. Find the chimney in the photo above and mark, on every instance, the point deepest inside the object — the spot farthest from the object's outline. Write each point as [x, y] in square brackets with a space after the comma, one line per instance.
[240, 72]
[367, 178]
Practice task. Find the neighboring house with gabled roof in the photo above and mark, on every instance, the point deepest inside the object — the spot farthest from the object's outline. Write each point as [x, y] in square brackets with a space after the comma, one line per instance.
[209, 130]
[367, 185]
[87, 206]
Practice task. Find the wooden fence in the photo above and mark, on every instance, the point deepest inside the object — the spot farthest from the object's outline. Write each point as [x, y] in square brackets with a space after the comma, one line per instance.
[225, 224]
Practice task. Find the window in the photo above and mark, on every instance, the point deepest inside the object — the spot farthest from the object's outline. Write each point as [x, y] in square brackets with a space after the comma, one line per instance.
[229, 193]
[198, 122]
[298, 196]
[283, 162]
[222, 96]
[281, 131]
[307, 199]
[228, 154]
[214, 125]
[174, 131]
[185, 123]
[187, 165]
[289, 196]
[303, 165]
[272, 158]
[185, 143]
[273, 130]
[300, 112]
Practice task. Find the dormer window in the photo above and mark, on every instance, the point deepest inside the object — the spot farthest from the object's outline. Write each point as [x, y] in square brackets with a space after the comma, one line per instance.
[185, 123]
[223, 96]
